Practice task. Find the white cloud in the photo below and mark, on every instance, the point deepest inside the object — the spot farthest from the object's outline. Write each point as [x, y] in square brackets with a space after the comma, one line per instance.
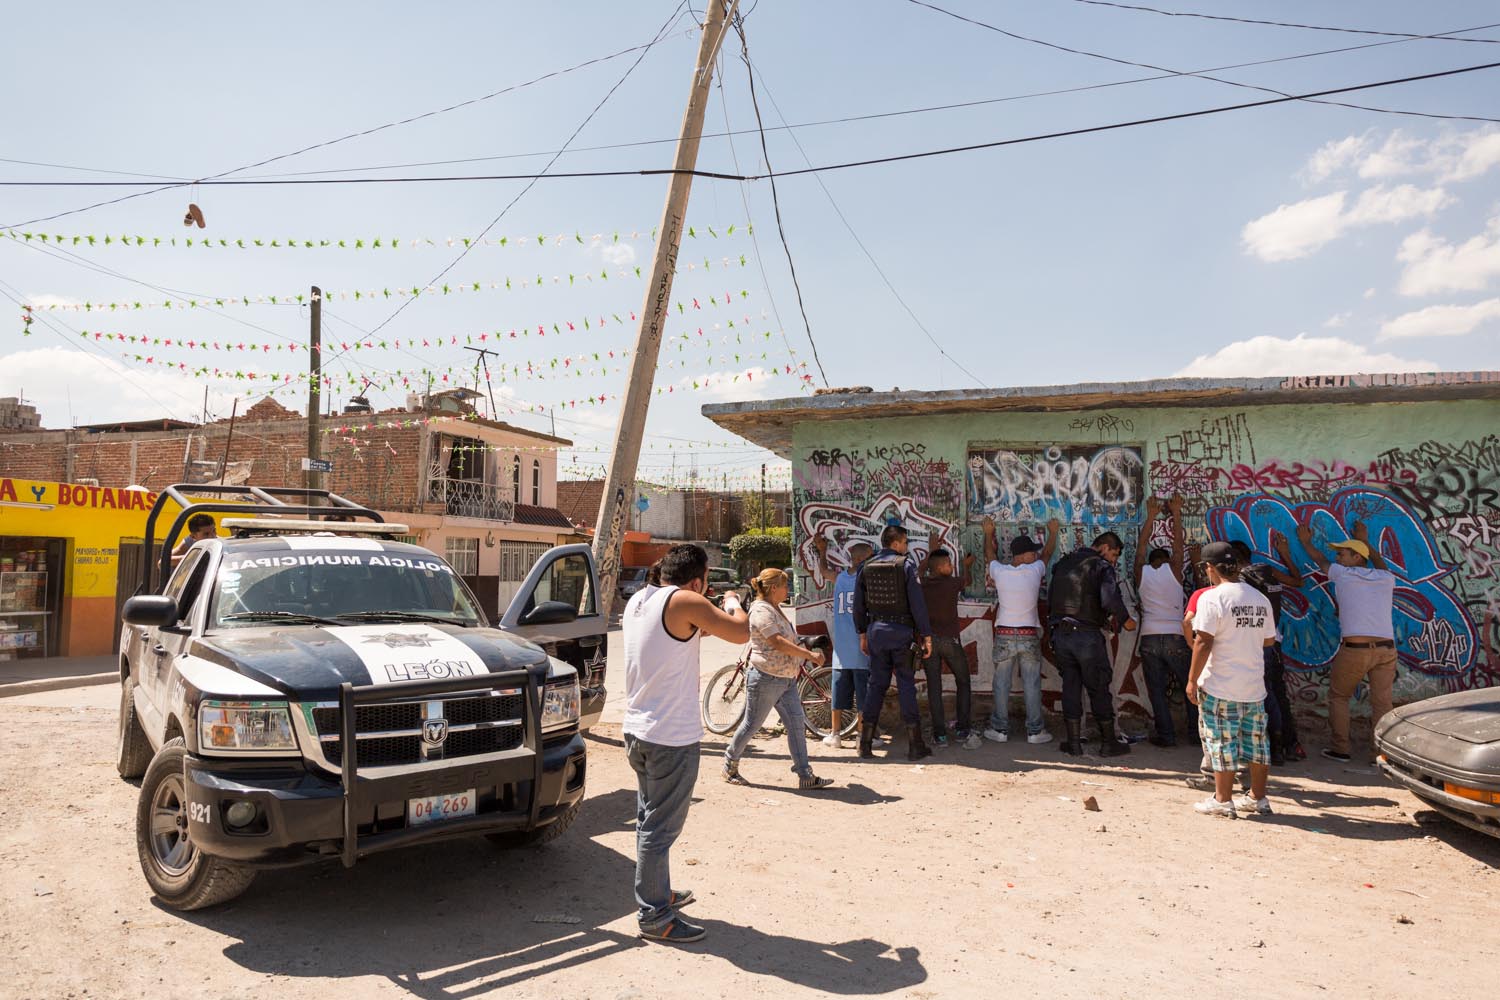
[57, 380]
[1337, 320]
[1369, 293]
[1441, 321]
[1334, 156]
[1262, 356]
[1448, 158]
[733, 386]
[1435, 265]
[1298, 229]
[618, 254]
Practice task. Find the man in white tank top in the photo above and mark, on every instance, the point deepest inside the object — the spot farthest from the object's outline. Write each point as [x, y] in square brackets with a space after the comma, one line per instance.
[662, 627]
[1165, 656]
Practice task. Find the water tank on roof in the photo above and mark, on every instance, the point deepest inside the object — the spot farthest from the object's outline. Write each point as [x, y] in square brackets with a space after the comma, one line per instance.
[358, 404]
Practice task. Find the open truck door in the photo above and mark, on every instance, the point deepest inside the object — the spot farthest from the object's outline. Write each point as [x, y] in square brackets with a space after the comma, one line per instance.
[558, 607]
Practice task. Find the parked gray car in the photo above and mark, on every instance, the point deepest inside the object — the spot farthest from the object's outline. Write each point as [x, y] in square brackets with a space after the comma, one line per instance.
[1446, 751]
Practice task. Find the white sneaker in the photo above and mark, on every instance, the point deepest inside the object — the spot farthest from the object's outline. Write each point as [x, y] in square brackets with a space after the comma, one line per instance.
[1041, 737]
[1245, 805]
[996, 736]
[832, 741]
[973, 742]
[1211, 806]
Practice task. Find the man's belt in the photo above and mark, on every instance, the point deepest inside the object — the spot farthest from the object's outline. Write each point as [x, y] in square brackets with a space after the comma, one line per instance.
[1073, 625]
[1030, 631]
[1372, 644]
[894, 619]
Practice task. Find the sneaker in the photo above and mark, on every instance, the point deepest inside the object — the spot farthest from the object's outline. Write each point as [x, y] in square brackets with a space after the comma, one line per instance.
[811, 782]
[1162, 741]
[1041, 737]
[973, 741]
[1296, 752]
[996, 736]
[681, 898]
[1331, 754]
[833, 742]
[674, 931]
[940, 742]
[1211, 806]
[732, 775]
[1245, 805]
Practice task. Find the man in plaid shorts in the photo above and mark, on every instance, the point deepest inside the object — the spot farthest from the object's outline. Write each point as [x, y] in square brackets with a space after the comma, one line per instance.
[1232, 627]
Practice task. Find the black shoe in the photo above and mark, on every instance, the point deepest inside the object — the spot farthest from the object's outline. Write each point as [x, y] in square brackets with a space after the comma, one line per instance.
[675, 931]
[1162, 741]
[1109, 744]
[1072, 743]
[866, 742]
[1278, 759]
[681, 898]
[1342, 758]
[916, 749]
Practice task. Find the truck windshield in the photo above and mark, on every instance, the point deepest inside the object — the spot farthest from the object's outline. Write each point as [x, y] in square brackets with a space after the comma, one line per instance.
[254, 588]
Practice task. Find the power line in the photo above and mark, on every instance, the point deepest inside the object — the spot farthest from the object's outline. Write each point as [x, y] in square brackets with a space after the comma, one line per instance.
[355, 135]
[866, 250]
[1201, 76]
[1281, 24]
[660, 34]
[739, 26]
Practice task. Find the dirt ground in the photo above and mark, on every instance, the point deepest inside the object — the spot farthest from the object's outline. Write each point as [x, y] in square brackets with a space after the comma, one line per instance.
[980, 873]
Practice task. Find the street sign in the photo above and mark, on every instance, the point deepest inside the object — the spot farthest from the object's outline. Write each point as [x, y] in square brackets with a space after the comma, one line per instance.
[317, 465]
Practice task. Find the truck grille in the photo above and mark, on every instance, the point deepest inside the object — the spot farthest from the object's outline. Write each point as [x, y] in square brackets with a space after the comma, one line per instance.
[390, 733]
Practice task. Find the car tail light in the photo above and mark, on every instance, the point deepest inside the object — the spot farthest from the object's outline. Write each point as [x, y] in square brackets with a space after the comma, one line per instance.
[1474, 794]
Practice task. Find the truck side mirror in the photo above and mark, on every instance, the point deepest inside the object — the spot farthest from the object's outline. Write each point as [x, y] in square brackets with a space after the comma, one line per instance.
[151, 610]
[549, 613]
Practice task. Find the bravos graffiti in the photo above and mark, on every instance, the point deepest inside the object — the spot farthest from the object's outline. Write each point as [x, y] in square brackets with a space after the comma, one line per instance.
[1080, 484]
[843, 525]
[1435, 634]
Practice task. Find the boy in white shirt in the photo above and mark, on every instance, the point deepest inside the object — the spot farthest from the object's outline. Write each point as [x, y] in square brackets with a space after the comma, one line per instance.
[1232, 627]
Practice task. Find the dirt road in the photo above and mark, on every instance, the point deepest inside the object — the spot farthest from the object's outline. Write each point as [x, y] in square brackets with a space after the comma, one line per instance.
[977, 875]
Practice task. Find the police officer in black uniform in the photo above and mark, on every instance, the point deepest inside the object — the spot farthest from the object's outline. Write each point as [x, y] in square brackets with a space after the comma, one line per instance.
[1084, 597]
[891, 617]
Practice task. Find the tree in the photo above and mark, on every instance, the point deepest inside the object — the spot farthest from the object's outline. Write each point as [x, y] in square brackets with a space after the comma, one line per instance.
[751, 509]
[754, 551]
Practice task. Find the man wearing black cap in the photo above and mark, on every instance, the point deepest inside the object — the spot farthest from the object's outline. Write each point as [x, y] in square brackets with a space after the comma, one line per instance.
[1083, 601]
[1232, 626]
[1018, 629]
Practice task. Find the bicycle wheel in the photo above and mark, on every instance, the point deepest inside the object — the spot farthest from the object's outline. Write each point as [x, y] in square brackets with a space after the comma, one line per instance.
[724, 699]
[816, 691]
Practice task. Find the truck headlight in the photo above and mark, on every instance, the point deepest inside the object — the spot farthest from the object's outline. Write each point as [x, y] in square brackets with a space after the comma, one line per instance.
[244, 726]
[560, 705]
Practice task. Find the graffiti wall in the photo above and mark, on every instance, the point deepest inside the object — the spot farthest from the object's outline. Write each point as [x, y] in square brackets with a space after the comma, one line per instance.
[1423, 479]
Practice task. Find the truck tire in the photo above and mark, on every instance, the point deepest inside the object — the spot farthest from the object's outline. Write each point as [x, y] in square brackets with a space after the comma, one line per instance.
[180, 875]
[538, 837]
[134, 750]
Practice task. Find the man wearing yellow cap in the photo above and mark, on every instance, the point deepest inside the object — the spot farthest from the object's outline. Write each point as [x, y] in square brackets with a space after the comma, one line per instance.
[1365, 591]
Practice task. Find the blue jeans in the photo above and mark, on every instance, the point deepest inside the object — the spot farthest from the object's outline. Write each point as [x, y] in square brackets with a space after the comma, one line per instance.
[849, 689]
[1082, 657]
[887, 661]
[1164, 659]
[664, 788]
[764, 692]
[1012, 651]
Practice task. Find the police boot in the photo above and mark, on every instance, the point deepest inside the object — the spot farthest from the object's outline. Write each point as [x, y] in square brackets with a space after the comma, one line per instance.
[866, 739]
[916, 749]
[1109, 745]
[1072, 742]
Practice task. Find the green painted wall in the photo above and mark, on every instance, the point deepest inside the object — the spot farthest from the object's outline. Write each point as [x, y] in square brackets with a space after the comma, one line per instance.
[1424, 476]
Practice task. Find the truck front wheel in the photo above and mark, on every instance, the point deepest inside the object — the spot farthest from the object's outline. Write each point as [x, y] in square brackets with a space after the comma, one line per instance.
[181, 876]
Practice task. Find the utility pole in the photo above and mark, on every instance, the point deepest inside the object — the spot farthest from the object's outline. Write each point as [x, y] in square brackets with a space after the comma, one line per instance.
[762, 498]
[619, 482]
[314, 384]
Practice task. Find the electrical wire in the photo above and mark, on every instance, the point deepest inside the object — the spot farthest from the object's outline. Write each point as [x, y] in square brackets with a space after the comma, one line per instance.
[1278, 24]
[866, 250]
[739, 27]
[641, 55]
[1201, 76]
[355, 135]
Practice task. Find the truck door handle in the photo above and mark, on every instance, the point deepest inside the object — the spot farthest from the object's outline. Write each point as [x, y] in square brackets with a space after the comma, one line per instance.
[159, 649]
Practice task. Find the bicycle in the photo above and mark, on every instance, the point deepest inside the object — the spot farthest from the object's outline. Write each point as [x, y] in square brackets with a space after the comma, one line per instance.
[724, 698]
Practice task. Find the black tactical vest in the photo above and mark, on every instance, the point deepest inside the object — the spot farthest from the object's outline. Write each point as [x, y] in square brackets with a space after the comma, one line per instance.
[885, 589]
[1075, 588]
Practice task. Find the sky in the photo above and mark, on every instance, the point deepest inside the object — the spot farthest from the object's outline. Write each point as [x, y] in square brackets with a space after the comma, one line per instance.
[1299, 238]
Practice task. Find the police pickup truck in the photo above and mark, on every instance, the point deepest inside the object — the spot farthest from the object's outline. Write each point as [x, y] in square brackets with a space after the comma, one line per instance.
[309, 688]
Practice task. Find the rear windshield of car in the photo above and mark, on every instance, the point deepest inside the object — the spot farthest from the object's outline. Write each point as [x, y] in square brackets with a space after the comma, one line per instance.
[633, 575]
[327, 583]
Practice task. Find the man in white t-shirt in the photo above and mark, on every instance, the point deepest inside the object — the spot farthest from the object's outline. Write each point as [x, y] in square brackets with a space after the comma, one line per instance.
[1365, 590]
[1227, 681]
[1018, 629]
[1165, 655]
[662, 627]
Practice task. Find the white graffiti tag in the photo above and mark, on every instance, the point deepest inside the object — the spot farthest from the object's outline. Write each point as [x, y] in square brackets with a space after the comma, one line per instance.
[842, 526]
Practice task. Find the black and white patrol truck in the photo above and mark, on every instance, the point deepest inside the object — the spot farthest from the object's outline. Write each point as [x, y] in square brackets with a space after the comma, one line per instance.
[309, 689]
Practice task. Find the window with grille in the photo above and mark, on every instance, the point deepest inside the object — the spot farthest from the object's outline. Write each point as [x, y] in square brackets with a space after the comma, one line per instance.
[463, 555]
[517, 558]
[536, 482]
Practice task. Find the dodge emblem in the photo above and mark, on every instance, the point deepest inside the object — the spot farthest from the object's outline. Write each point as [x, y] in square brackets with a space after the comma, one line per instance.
[434, 732]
